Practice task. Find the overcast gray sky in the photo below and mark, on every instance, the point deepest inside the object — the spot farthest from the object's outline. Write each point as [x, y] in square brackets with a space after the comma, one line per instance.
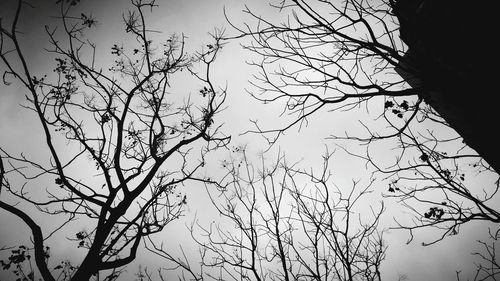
[19, 130]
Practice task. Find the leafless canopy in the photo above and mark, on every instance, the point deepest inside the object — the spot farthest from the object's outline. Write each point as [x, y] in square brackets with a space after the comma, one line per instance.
[280, 222]
[342, 56]
[124, 122]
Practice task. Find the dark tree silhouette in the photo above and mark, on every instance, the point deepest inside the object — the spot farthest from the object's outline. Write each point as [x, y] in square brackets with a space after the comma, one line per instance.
[353, 55]
[457, 86]
[122, 125]
[280, 222]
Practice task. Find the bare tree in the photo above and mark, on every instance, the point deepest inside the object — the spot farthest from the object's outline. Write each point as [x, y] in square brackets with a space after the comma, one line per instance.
[280, 222]
[488, 267]
[339, 56]
[137, 141]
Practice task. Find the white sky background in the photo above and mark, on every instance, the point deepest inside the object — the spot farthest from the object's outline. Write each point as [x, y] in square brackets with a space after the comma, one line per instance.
[20, 132]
